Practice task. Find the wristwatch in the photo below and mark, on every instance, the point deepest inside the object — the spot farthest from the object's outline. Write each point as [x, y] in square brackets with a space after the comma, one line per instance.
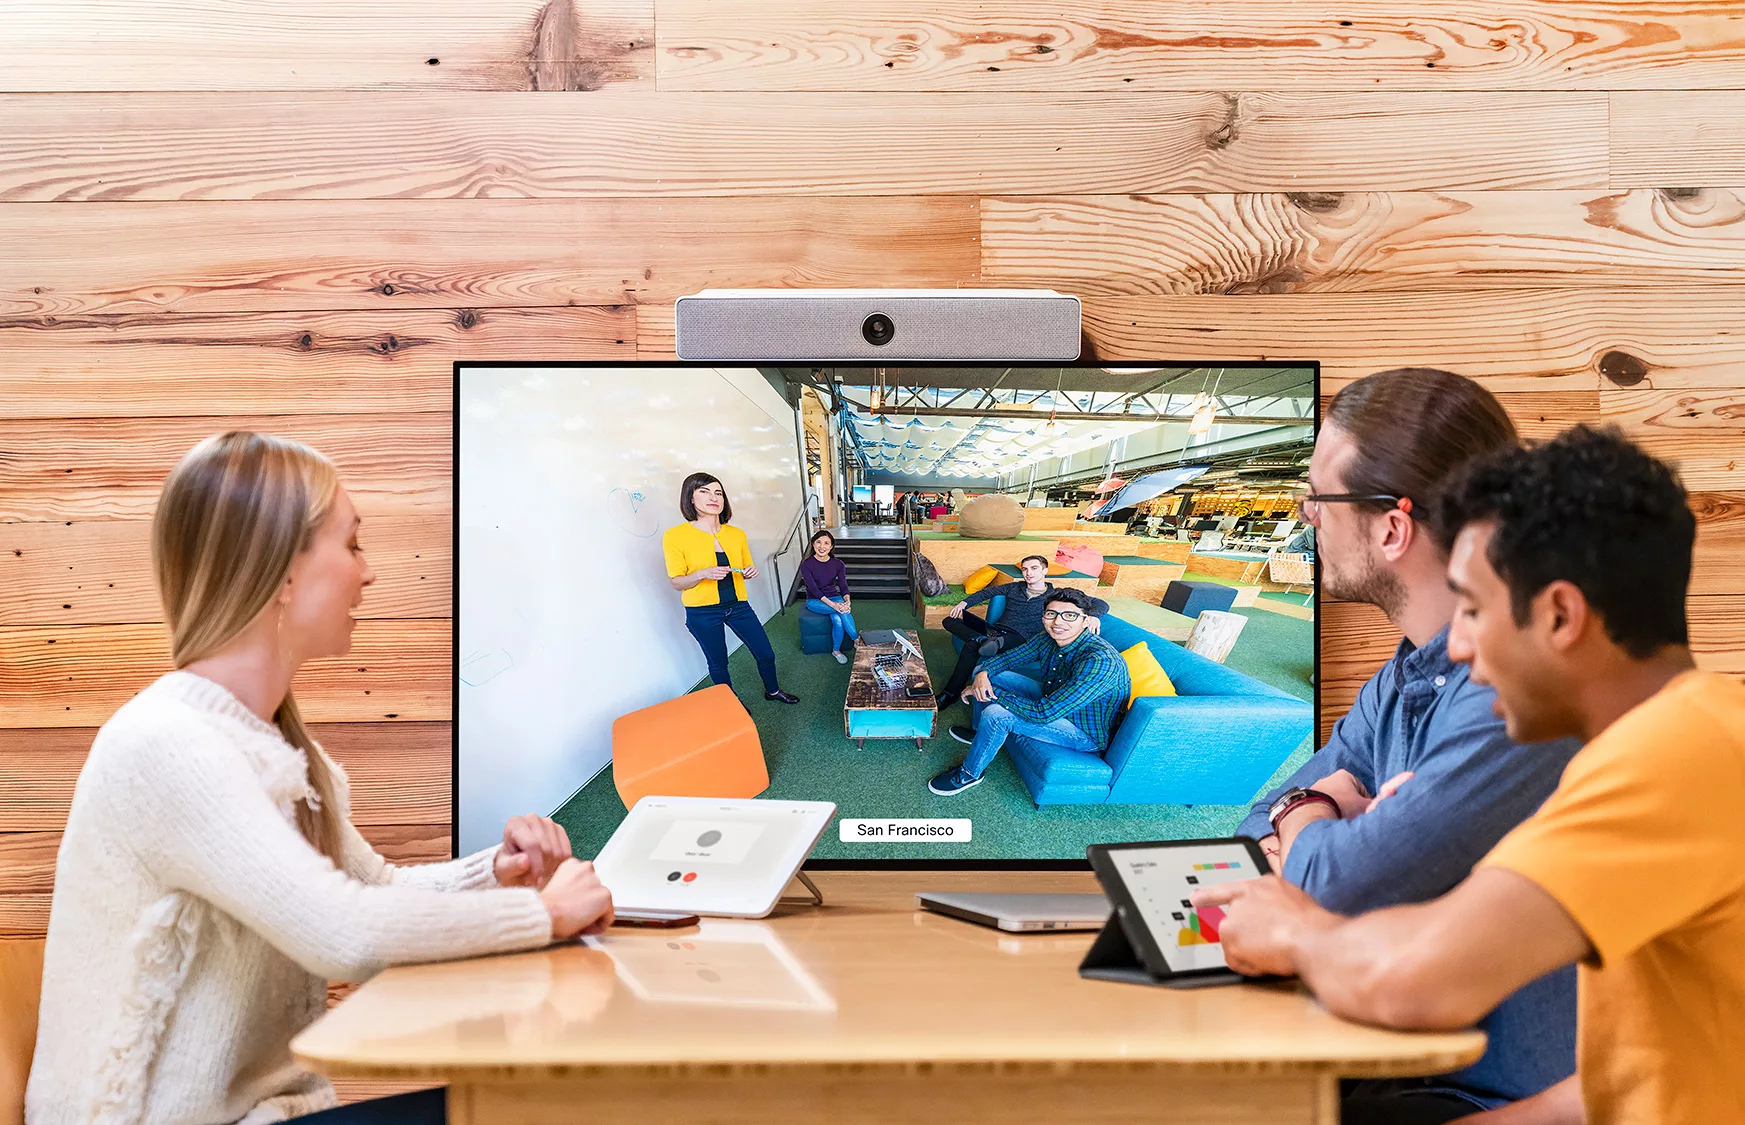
[1296, 797]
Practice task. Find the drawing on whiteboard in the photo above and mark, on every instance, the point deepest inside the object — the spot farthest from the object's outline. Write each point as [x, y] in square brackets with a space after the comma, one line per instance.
[480, 668]
[632, 512]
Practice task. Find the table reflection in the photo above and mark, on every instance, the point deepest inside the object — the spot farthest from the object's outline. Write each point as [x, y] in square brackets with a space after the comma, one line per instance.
[726, 963]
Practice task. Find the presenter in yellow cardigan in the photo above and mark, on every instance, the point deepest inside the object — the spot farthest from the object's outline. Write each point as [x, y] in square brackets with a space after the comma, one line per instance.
[708, 561]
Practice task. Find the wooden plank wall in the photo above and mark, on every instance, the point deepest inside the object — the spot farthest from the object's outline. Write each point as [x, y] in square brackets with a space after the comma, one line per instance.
[296, 214]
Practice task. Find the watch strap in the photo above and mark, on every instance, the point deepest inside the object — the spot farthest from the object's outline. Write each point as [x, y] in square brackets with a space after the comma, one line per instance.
[1306, 797]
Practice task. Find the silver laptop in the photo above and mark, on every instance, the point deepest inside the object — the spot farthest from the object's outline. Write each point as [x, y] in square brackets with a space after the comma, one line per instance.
[1022, 913]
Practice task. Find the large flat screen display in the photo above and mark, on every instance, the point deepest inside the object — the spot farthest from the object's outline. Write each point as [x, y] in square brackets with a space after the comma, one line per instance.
[645, 605]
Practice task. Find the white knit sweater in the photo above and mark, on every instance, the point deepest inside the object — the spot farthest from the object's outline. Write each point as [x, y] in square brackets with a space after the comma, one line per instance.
[194, 929]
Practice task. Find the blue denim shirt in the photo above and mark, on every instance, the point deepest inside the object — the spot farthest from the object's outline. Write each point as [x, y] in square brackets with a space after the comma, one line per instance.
[1471, 785]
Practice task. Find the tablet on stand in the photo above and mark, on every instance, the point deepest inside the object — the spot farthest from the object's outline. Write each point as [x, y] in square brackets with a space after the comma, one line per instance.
[1156, 935]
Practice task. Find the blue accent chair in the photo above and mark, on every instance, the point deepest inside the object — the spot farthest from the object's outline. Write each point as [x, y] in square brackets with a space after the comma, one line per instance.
[1216, 742]
[814, 632]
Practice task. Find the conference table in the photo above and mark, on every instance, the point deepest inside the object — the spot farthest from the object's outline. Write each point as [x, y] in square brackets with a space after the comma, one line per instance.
[861, 1010]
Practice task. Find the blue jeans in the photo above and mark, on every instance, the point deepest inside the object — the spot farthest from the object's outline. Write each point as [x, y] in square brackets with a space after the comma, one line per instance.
[709, 624]
[994, 724]
[839, 622]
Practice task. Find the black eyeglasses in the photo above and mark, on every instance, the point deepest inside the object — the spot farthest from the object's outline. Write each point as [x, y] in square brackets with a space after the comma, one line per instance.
[1310, 502]
[1066, 615]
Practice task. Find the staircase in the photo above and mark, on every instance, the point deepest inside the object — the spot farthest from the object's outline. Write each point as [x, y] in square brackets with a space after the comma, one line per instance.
[877, 568]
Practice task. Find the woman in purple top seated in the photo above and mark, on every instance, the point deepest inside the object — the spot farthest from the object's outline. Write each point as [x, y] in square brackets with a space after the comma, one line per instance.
[826, 582]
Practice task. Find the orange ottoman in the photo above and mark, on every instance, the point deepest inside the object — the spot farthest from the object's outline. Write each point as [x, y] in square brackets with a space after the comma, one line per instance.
[699, 745]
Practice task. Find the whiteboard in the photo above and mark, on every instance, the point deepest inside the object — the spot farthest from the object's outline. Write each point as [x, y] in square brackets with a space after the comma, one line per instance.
[567, 479]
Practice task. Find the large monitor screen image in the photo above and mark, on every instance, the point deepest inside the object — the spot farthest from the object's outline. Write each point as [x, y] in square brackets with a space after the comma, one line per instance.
[1109, 561]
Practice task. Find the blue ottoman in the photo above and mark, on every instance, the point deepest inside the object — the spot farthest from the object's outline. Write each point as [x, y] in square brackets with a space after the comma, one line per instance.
[1189, 598]
[814, 632]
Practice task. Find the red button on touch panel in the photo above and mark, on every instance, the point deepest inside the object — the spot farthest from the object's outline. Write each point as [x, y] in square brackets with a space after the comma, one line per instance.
[690, 875]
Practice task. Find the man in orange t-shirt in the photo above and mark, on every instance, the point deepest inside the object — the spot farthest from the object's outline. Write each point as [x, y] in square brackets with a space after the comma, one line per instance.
[1570, 568]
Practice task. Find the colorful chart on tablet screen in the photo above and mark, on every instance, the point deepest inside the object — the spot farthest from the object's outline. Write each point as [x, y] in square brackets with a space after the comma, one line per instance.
[1163, 881]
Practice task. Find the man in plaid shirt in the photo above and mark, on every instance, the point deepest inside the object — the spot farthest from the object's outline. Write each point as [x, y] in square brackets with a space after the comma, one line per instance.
[1084, 686]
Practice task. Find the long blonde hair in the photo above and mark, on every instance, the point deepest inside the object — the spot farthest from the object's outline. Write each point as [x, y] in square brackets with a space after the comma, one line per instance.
[232, 516]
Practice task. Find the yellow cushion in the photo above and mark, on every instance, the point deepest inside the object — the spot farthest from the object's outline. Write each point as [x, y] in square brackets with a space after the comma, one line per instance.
[986, 576]
[1058, 568]
[1147, 674]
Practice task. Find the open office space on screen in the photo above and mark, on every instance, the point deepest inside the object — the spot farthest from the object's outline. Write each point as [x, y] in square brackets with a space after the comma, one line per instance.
[1166, 494]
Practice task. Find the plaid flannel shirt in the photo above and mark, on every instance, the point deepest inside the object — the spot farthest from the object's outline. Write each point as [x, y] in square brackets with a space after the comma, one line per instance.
[1085, 683]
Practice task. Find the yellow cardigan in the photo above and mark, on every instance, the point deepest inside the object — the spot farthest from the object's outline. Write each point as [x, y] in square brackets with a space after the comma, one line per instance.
[689, 549]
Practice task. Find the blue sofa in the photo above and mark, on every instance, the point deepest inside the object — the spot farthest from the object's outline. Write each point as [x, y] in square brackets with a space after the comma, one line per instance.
[1216, 742]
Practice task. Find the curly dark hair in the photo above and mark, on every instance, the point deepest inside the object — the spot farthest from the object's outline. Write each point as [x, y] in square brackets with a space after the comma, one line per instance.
[1071, 597]
[1591, 508]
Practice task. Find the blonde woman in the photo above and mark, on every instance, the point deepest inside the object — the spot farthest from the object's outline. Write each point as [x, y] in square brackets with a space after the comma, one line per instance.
[209, 881]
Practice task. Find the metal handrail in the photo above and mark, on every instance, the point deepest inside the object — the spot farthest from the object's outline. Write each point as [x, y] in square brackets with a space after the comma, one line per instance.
[788, 545]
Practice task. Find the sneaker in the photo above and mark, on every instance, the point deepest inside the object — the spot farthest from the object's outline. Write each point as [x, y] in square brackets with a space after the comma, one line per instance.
[952, 782]
[780, 696]
[941, 702]
[840, 659]
[963, 734]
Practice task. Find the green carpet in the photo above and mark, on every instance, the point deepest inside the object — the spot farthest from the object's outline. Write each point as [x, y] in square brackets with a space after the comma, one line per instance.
[810, 758]
[1281, 596]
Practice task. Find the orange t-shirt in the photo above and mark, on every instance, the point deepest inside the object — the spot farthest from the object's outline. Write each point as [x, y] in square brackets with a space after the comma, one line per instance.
[1644, 844]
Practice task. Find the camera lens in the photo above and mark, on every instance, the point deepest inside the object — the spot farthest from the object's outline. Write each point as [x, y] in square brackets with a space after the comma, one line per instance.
[878, 329]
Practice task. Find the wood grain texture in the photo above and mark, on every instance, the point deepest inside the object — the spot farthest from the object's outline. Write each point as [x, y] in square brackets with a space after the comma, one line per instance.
[1538, 415]
[898, 993]
[657, 334]
[78, 147]
[472, 255]
[114, 468]
[1701, 432]
[29, 859]
[1691, 138]
[855, 1096]
[1718, 565]
[100, 572]
[376, 362]
[77, 676]
[1528, 339]
[399, 772]
[1323, 242]
[71, 45]
[1146, 45]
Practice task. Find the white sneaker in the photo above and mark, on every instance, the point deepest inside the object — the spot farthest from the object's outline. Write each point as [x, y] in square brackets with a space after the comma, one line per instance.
[840, 659]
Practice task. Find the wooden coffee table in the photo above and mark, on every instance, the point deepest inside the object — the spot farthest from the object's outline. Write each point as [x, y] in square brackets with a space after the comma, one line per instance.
[874, 712]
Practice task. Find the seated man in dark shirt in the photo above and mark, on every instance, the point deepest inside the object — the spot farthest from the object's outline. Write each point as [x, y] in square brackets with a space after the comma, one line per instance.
[1083, 689]
[1021, 620]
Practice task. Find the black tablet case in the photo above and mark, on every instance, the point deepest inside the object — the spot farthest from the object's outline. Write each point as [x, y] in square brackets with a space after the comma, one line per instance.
[1112, 957]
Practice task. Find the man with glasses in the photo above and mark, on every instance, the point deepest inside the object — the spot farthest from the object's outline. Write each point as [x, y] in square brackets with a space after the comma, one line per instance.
[1021, 620]
[1419, 779]
[1083, 687]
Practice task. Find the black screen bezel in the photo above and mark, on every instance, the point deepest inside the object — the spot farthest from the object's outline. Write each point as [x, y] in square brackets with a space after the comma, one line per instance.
[870, 864]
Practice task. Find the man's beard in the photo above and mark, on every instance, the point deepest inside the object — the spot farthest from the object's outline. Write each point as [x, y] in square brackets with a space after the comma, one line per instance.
[1367, 582]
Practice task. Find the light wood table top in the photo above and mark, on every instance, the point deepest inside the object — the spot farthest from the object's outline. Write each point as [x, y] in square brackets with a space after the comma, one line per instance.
[864, 982]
